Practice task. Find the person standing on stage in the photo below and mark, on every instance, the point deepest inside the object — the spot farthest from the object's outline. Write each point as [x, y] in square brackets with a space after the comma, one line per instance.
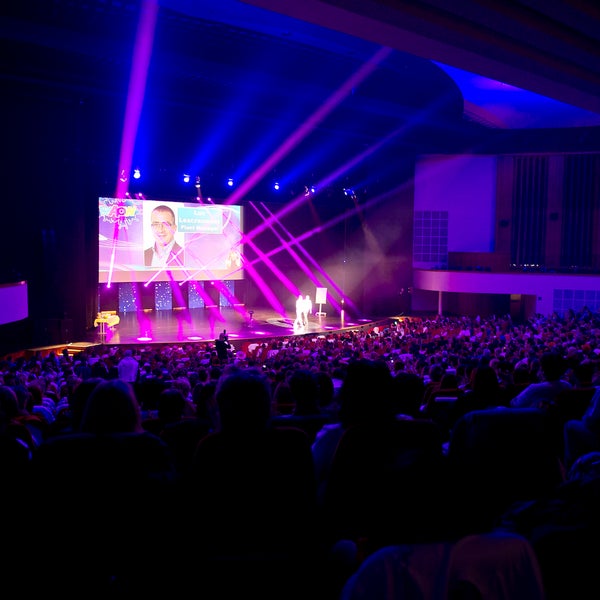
[306, 309]
[299, 322]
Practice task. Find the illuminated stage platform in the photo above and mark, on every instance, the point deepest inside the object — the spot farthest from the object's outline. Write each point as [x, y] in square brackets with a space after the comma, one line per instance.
[205, 324]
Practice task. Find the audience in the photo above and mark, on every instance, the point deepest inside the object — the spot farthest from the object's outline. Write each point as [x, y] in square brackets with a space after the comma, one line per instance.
[55, 405]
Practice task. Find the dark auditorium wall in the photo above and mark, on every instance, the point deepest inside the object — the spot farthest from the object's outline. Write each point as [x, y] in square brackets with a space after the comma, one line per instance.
[56, 150]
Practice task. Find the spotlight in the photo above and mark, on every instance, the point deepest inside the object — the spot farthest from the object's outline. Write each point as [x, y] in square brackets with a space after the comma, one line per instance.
[123, 176]
[186, 178]
[276, 185]
[230, 182]
[197, 184]
[137, 174]
[312, 189]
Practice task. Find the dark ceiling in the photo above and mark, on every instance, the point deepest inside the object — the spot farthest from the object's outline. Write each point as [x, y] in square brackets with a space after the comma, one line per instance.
[311, 89]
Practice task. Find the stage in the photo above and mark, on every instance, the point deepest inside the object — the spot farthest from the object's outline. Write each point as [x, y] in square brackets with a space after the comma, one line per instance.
[182, 325]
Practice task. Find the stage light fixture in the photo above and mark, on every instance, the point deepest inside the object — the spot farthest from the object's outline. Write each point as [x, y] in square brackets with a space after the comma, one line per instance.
[276, 185]
[186, 178]
[197, 184]
[230, 182]
[312, 189]
[137, 173]
[123, 176]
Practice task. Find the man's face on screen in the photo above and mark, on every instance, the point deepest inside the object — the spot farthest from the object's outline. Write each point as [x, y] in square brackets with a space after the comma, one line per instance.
[163, 227]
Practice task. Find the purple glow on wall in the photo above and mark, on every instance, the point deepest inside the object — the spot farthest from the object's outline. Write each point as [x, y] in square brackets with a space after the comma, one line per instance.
[14, 303]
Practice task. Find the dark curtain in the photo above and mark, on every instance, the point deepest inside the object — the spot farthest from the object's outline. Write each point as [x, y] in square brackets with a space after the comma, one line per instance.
[579, 201]
[529, 207]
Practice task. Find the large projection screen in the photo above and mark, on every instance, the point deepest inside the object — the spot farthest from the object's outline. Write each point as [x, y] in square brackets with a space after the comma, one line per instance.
[209, 238]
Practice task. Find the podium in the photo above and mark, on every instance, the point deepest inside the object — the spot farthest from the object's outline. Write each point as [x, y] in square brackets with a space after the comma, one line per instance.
[106, 318]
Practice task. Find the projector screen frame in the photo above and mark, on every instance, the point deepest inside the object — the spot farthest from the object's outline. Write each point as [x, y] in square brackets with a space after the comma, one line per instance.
[210, 235]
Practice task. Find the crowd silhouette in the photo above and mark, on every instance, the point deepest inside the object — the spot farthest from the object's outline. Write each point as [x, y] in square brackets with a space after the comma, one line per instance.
[325, 466]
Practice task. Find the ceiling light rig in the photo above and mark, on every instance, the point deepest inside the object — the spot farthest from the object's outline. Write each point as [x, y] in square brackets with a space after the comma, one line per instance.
[350, 193]
[184, 177]
[198, 191]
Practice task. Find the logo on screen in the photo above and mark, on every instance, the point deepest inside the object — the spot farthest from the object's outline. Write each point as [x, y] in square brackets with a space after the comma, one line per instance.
[118, 211]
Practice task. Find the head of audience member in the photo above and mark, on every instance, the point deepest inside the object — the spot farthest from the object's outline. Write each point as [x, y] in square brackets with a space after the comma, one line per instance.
[183, 385]
[408, 395]
[366, 393]
[325, 391]
[9, 407]
[203, 396]
[436, 372]
[112, 407]
[23, 398]
[78, 400]
[282, 398]
[171, 405]
[449, 381]
[244, 400]
[484, 381]
[521, 375]
[553, 366]
[583, 374]
[305, 392]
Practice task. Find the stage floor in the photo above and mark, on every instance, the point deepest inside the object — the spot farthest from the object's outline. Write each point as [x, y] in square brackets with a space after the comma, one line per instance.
[205, 324]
